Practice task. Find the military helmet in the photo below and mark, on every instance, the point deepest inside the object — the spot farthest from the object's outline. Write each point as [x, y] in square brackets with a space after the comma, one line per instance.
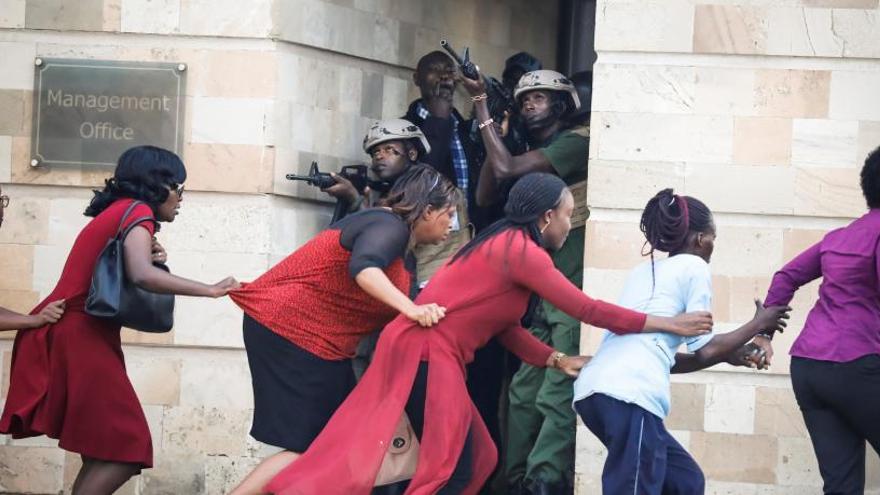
[383, 131]
[548, 80]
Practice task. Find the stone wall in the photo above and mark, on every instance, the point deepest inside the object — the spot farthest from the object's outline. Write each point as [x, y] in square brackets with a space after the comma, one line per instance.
[765, 110]
[271, 86]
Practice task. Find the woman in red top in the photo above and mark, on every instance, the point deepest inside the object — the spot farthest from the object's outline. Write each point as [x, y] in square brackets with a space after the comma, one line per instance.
[305, 316]
[68, 379]
[485, 289]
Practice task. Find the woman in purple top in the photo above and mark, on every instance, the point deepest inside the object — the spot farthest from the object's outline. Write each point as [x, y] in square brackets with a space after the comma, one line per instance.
[835, 365]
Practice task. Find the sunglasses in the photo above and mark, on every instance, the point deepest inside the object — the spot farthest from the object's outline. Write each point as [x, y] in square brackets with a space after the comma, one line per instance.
[4, 201]
[178, 188]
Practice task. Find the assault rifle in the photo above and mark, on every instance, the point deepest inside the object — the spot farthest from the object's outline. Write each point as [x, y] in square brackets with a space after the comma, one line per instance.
[356, 174]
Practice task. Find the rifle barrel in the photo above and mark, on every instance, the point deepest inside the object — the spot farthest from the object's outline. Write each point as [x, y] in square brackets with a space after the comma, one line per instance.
[446, 46]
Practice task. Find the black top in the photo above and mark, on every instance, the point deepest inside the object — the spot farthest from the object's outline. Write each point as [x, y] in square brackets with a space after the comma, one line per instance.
[375, 236]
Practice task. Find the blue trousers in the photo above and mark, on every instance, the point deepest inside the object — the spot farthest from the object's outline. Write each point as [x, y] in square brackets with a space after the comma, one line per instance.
[643, 458]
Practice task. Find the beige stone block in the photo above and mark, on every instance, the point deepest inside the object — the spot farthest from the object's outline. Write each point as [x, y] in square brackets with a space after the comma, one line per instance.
[777, 413]
[743, 458]
[210, 431]
[614, 245]
[112, 15]
[5, 158]
[670, 138]
[66, 219]
[233, 74]
[724, 91]
[7, 372]
[12, 13]
[792, 93]
[25, 221]
[216, 380]
[796, 463]
[65, 15]
[742, 189]
[16, 266]
[688, 402]
[23, 173]
[15, 112]
[642, 26]
[602, 284]
[226, 18]
[229, 167]
[824, 143]
[150, 16]
[386, 39]
[18, 64]
[643, 180]
[212, 222]
[872, 471]
[730, 409]
[48, 264]
[762, 141]
[842, 4]
[175, 474]
[223, 473]
[730, 488]
[22, 301]
[644, 88]
[831, 192]
[730, 29]
[747, 251]
[209, 322]
[394, 101]
[294, 223]
[743, 292]
[796, 241]
[31, 469]
[858, 31]
[853, 95]
[130, 336]
[802, 32]
[869, 140]
[720, 298]
[156, 380]
[232, 121]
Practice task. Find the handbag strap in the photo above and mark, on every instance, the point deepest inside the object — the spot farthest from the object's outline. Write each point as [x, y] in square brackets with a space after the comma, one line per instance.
[120, 234]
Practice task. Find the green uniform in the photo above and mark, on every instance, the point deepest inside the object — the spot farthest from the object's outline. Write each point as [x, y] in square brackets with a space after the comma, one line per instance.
[541, 424]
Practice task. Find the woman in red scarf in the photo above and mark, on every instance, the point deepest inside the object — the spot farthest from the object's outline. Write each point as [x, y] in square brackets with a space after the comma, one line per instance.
[485, 289]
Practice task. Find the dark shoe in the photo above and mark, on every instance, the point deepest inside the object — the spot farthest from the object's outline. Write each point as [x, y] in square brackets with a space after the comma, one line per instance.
[541, 487]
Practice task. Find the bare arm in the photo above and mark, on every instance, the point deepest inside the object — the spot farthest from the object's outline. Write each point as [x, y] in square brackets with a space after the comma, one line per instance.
[502, 164]
[722, 346]
[10, 320]
[375, 283]
[140, 270]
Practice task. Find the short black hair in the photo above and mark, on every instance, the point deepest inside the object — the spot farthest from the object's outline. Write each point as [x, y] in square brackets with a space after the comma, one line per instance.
[870, 179]
[432, 58]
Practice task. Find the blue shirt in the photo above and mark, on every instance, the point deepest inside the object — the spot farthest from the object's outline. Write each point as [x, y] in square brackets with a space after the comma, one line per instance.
[459, 158]
[634, 368]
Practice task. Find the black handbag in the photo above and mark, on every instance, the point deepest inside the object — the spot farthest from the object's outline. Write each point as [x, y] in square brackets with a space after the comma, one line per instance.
[113, 296]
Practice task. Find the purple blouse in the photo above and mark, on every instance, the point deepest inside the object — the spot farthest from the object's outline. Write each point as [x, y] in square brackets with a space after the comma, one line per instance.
[845, 322]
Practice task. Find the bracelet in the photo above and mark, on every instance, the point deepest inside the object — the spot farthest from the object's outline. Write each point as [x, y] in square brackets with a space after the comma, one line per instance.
[557, 357]
[486, 123]
[481, 97]
[766, 335]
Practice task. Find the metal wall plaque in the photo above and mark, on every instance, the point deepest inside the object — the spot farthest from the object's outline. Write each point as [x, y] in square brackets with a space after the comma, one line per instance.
[87, 112]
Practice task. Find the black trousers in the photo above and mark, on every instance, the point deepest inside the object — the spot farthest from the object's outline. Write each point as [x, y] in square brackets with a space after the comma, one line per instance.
[841, 407]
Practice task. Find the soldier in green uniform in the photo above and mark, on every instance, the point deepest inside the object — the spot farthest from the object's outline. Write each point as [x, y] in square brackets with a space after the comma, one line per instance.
[539, 455]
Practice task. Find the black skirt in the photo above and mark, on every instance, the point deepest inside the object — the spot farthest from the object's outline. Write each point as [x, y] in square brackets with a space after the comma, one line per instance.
[295, 391]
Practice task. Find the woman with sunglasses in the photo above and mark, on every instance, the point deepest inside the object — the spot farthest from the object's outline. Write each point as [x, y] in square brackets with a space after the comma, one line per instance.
[68, 378]
[10, 320]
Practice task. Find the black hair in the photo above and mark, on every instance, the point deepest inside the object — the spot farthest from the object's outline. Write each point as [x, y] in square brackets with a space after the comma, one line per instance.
[144, 173]
[668, 220]
[419, 187]
[531, 196]
[870, 179]
[432, 58]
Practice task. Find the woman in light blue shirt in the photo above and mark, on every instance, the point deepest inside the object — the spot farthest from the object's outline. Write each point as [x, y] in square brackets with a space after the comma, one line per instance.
[623, 393]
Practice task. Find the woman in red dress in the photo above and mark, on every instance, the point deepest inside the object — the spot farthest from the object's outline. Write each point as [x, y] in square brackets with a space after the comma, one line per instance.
[68, 379]
[10, 320]
[485, 289]
[305, 316]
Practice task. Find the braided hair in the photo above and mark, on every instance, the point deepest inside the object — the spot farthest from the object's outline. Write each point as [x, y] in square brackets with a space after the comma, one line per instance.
[668, 220]
[531, 196]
